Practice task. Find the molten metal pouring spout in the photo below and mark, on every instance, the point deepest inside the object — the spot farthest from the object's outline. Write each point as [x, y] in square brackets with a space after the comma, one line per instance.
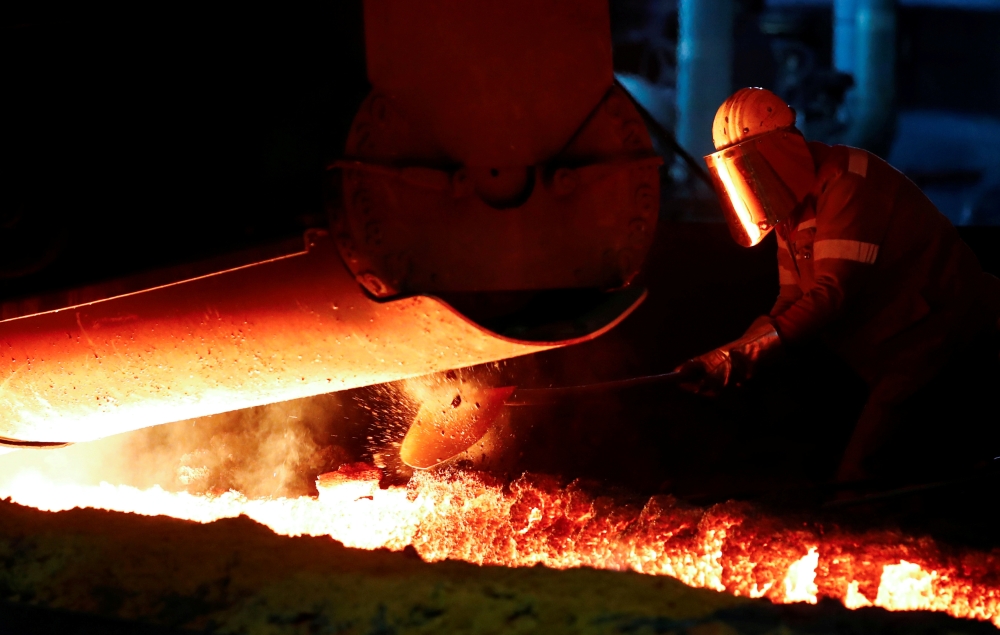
[281, 329]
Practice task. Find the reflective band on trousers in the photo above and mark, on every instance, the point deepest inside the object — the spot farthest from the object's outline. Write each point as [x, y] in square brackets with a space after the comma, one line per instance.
[845, 250]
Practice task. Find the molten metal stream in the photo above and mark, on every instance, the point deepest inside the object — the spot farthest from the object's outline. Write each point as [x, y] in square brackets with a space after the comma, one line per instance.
[463, 515]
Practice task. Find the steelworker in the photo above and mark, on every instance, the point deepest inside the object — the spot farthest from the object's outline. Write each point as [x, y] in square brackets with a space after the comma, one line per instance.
[866, 264]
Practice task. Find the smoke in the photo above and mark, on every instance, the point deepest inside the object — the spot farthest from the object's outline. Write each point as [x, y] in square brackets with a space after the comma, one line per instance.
[268, 451]
[276, 450]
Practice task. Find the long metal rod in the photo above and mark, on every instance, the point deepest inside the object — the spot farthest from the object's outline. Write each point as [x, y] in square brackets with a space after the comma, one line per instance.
[542, 396]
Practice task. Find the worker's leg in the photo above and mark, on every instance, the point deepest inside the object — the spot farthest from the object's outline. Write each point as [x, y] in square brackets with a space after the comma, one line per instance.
[879, 421]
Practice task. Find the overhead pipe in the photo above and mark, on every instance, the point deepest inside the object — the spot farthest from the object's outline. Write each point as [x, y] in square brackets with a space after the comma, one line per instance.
[864, 46]
[704, 69]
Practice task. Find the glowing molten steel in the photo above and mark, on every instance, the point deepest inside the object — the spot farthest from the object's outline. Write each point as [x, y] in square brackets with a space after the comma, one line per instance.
[536, 519]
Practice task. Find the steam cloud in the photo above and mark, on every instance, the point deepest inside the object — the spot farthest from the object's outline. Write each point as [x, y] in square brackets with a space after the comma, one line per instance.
[268, 451]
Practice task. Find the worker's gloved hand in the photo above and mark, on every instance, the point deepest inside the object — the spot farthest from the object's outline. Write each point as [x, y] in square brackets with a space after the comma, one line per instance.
[733, 363]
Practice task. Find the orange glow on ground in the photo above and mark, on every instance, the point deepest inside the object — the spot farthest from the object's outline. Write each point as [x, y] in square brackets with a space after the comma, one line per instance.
[539, 520]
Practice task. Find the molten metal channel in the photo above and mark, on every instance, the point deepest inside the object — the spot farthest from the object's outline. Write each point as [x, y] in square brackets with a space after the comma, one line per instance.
[537, 519]
[291, 327]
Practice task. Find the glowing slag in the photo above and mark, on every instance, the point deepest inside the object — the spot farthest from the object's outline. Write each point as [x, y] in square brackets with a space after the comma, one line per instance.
[540, 520]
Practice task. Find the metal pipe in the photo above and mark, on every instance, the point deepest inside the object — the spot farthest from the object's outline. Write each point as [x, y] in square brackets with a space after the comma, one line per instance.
[704, 69]
[843, 35]
[864, 45]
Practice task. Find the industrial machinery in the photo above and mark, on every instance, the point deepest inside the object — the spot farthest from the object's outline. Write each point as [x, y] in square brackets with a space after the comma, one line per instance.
[497, 196]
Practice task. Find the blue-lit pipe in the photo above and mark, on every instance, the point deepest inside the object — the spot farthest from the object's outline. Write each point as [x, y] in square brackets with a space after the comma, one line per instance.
[704, 69]
[864, 45]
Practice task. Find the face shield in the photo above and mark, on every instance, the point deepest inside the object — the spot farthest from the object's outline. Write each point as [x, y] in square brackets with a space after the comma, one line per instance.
[760, 181]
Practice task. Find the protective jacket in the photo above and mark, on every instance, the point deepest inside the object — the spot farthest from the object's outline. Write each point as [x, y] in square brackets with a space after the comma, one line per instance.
[867, 263]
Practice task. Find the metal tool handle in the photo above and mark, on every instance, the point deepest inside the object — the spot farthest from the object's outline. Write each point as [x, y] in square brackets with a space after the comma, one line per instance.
[543, 396]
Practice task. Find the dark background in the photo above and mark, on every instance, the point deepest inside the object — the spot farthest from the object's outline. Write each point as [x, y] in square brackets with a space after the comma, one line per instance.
[136, 141]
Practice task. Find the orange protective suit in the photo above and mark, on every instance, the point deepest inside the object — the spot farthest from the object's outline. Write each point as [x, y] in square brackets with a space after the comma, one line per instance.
[868, 264]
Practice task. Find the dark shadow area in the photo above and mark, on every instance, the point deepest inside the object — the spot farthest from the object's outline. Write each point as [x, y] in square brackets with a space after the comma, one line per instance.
[133, 142]
[24, 619]
[545, 316]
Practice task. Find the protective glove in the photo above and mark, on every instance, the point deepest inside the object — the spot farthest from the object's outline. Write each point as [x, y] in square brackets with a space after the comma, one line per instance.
[733, 363]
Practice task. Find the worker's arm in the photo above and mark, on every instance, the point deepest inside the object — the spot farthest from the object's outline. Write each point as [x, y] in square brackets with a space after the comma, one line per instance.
[734, 362]
[845, 245]
[844, 249]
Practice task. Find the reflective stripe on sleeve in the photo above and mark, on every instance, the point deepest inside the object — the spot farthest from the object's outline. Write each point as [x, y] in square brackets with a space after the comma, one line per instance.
[806, 224]
[857, 162]
[845, 250]
[787, 276]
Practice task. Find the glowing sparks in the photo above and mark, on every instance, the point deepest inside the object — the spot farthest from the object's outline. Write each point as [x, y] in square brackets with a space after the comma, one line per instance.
[461, 515]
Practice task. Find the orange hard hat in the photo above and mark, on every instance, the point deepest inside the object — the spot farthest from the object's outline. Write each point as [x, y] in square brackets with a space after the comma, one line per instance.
[761, 167]
[748, 113]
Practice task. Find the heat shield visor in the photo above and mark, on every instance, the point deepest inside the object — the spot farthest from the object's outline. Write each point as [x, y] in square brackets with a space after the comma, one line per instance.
[757, 181]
